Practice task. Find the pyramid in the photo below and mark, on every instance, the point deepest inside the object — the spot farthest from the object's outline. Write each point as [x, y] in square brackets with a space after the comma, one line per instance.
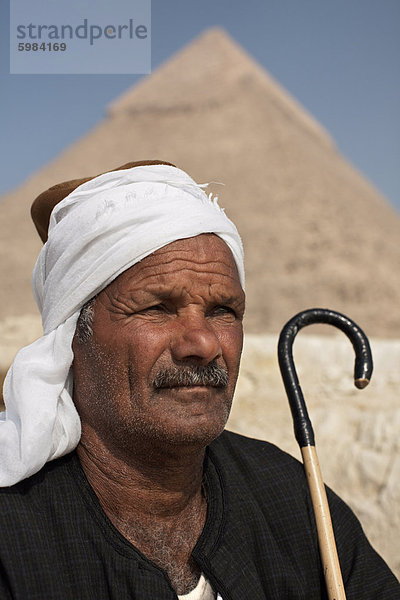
[316, 233]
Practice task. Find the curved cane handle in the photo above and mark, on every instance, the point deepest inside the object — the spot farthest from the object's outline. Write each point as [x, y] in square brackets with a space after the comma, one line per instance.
[362, 367]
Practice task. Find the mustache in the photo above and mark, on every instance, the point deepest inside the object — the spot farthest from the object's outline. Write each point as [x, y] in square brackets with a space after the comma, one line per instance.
[208, 375]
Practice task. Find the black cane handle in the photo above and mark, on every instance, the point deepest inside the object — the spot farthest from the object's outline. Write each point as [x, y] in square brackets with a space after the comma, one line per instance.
[362, 367]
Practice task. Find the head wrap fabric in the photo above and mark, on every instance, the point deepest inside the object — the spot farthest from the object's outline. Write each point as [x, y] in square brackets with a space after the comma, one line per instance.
[99, 230]
[43, 205]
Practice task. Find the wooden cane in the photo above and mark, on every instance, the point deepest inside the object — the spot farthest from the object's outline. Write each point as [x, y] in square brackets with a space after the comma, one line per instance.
[304, 432]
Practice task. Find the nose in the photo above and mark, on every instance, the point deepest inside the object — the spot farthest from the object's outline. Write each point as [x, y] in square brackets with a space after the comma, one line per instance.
[196, 340]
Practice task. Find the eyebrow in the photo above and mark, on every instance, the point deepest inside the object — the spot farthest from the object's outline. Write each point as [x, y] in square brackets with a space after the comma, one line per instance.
[230, 299]
[164, 292]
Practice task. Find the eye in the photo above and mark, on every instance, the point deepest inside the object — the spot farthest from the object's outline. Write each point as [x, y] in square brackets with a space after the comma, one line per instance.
[155, 308]
[224, 310]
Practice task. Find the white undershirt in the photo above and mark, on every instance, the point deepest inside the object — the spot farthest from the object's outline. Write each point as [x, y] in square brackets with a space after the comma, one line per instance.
[202, 591]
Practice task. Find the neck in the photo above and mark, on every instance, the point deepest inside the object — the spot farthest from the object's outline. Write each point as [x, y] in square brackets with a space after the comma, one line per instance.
[159, 482]
[155, 500]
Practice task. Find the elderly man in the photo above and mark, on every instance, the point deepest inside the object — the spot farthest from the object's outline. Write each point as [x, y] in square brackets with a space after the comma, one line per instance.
[119, 479]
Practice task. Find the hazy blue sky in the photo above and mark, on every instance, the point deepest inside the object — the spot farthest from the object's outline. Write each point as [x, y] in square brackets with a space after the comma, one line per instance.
[340, 59]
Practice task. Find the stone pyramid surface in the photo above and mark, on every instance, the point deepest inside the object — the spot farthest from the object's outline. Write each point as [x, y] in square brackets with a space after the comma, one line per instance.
[316, 233]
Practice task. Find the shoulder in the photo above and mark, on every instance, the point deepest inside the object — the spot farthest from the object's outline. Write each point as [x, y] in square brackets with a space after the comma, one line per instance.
[37, 495]
[260, 477]
[267, 470]
[260, 471]
[264, 475]
[243, 452]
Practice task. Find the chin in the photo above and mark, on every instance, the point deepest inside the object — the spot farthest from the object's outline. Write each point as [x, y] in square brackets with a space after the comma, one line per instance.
[201, 436]
[196, 431]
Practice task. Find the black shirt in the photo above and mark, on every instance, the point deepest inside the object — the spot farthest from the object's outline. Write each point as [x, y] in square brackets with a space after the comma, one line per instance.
[259, 541]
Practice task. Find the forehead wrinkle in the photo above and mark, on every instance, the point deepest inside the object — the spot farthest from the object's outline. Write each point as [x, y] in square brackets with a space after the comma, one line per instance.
[176, 258]
[168, 270]
[210, 293]
[214, 268]
[197, 249]
[170, 283]
[165, 285]
[193, 262]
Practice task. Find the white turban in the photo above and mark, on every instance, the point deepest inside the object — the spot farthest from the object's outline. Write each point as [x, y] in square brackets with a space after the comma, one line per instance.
[102, 228]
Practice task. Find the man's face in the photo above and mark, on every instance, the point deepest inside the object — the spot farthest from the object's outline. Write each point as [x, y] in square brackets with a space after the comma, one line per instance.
[178, 310]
